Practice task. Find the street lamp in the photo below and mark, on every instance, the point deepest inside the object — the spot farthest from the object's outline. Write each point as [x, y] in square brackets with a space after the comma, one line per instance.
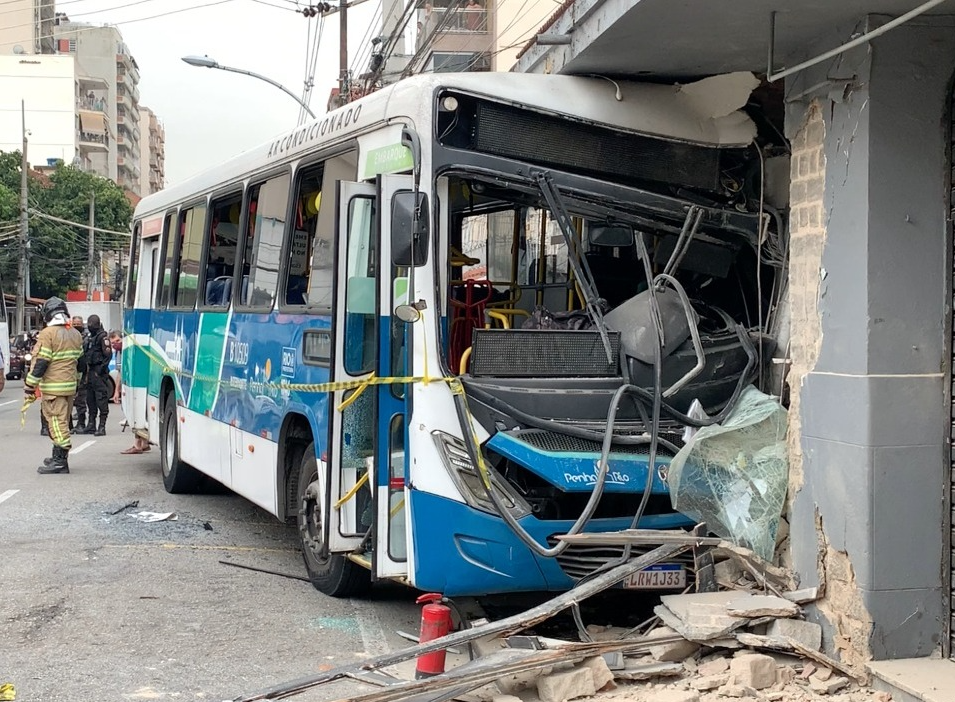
[206, 62]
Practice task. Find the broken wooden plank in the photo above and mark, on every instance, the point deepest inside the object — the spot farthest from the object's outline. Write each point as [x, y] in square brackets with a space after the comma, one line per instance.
[512, 624]
[639, 536]
[647, 671]
[823, 659]
[482, 671]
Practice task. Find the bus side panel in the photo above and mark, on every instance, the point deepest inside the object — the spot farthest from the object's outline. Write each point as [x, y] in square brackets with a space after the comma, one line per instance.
[227, 369]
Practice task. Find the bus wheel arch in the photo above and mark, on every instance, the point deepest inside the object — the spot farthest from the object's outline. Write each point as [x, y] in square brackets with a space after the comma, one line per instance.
[178, 477]
[332, 574]
[294, 438]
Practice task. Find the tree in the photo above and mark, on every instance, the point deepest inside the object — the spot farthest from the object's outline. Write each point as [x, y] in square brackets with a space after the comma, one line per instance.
[58, 252]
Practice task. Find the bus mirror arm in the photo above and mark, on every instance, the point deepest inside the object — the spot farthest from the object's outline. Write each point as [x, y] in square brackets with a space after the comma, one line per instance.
[411, 140]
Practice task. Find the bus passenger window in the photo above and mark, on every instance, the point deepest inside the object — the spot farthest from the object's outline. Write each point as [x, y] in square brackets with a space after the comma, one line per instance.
[223, 246]
[192, 222]
[165, 284]
[310, 250]
[268, 204]
[361, 288]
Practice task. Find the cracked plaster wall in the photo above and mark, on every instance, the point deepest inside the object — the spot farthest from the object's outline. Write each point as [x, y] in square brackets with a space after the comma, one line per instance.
[869, 277]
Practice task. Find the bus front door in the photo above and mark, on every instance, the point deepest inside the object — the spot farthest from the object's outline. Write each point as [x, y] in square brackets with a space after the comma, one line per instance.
[136, 344]
[348, 497]
[391, 529]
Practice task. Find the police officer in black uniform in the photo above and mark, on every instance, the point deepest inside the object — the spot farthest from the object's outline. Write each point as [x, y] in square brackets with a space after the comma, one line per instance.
[98, 352]
[79, 402]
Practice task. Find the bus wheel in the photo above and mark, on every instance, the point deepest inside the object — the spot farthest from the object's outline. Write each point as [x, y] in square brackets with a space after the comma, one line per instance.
[177, 477]
[332, 574]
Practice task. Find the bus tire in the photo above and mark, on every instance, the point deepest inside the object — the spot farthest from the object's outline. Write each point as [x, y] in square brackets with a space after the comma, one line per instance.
[177, 477]
[332, 574]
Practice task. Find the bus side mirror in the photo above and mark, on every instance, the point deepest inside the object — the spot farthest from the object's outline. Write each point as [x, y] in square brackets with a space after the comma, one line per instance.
[409, 229]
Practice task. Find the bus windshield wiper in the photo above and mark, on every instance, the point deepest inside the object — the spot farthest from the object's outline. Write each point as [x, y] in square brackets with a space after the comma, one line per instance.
[578, 261]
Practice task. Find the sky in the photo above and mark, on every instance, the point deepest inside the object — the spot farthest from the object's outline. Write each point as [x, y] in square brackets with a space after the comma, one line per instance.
[211, 115]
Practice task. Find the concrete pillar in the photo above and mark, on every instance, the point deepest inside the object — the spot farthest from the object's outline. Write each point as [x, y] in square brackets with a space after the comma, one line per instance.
[869, 291]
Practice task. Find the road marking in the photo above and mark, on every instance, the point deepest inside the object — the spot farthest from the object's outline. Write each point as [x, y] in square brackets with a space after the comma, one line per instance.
[7, 495]
[83, 446]
[8, 402]
[372, 635]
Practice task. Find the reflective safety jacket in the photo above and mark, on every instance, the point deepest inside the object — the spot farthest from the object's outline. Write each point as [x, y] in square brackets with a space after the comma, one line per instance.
[54, 361]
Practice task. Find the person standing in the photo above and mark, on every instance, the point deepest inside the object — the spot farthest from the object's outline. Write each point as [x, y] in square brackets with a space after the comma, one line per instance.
[98, 353]
[53, 370]
[79, 402]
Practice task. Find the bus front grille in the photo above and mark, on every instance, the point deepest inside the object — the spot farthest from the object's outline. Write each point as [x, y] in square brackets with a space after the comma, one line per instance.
[561, 443]
[580, 560]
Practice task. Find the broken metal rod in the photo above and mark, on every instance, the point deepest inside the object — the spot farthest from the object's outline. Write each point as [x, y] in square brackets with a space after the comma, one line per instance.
[512, 624]
[291, 576]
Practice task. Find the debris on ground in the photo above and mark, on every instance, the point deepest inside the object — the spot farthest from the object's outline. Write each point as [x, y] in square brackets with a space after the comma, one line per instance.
[150, 517]
[8, 692]
[749, 641]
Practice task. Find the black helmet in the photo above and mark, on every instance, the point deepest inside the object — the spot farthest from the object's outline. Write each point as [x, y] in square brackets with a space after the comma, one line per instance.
[51, 307]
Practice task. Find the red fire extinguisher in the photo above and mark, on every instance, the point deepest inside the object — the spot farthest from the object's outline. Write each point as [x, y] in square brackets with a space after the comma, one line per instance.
[435, 623]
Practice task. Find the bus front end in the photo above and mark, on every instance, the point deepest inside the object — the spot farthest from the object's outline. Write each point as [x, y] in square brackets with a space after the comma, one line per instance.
[596, 292]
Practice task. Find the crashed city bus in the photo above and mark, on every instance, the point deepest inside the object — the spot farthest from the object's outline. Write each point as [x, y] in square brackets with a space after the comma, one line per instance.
[422, 327]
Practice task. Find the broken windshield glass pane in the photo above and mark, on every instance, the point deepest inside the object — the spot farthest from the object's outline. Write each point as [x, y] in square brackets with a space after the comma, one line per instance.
[734, 476]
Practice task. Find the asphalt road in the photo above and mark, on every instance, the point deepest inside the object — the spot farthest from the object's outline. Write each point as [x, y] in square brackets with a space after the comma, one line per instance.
[96, 605]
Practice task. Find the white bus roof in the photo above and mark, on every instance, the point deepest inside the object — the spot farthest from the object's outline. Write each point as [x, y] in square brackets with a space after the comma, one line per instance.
[706, 112]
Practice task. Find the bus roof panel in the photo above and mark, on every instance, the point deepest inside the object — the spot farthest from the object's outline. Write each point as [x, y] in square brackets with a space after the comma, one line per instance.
[706, 112]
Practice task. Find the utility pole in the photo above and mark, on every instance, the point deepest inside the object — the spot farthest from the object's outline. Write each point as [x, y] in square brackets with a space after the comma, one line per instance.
[343, 87]
[22, 267]
[89, 254]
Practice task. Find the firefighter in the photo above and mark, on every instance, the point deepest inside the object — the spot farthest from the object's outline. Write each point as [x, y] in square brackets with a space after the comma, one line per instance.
[79, 403]
[55, 357]
[98, 353]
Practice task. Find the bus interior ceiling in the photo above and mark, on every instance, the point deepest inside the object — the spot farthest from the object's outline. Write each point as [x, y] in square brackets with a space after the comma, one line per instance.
[511, 278]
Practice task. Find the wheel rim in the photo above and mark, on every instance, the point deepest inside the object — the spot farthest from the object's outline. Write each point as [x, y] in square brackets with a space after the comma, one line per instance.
[169, 446]
[310, 519]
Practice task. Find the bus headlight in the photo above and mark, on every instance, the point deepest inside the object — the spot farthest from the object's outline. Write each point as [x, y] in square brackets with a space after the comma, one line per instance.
[457, 462]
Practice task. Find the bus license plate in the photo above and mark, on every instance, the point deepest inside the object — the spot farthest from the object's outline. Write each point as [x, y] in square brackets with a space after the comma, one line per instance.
[658, 577]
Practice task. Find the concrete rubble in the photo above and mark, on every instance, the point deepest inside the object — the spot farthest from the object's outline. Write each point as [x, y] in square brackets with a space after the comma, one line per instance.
[748, 642]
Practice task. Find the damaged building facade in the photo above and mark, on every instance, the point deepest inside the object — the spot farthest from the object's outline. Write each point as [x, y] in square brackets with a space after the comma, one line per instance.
[866, 324]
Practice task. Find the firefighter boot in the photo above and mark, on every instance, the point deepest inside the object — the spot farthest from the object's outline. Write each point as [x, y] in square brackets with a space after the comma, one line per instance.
[90, 427]
[101, 429]
[58, 464]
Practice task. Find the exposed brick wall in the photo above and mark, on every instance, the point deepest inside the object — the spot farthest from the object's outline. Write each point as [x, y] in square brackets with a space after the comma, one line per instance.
[807, 238]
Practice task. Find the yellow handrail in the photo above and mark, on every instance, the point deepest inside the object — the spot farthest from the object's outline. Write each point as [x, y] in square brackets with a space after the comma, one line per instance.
[465, 357]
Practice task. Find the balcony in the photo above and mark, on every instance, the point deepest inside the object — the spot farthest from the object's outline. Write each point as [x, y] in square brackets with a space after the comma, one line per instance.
[467, 20]
[92, 132]
[91, 102]
[89, 142]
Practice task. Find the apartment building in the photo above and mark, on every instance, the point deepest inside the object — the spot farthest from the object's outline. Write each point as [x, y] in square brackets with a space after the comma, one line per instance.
[107, 102]
[152, 153]
[26, 27]
[474, 35]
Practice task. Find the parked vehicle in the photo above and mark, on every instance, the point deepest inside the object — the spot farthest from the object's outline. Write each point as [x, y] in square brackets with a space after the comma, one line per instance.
[20, 348]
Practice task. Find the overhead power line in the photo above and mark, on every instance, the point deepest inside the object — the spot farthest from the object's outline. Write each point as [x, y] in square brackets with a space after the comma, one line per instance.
[84, 225]
[130, 21]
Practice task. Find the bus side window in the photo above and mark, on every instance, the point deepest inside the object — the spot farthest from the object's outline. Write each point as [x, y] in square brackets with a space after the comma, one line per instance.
[361, 288]
[223, 250]
[192, 222]
[268, 204]
[166, 282]
[310, 257]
